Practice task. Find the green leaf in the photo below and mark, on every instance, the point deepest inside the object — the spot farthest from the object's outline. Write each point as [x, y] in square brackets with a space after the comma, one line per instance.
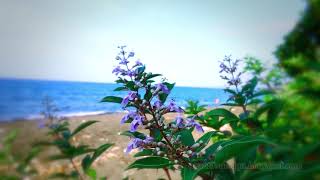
[91, 173]
[194, 107]
[140, 69]
[188, 174]
[223, 113]
[134, 134]
[120, 89]
[153, 162]
[262, 93]
[248, 89]
[213, 148]
[79, 150]
[66, 134]
[272, 108]
[145, 152]
[131, 85]
[156, 134]
[186, 137]
[230, 91]
[83, 126]
[213, 117]
[150, 76]
[212, 121]
[112, 99]
[148, 94]
[205, 139]
[100, 150]
[234, 147]
[86, 162]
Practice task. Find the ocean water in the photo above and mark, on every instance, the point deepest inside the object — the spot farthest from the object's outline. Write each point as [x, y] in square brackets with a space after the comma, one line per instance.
[20, 98]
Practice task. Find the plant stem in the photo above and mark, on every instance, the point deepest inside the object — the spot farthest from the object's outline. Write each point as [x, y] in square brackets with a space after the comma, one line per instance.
[167, 173]
[81, 177]
[167, 140]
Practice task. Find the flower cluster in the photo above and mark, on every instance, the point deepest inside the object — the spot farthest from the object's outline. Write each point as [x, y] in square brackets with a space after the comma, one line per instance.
[147, 102]
[229, 66]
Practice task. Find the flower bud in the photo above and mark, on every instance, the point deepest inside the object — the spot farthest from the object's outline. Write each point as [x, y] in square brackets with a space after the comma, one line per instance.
[160, 144]
[201, 142]
[165, 127]
[135, 99]
[185, 155]
[189, 152]
[159, 153]
[176, 161]
[157, 149]
[196, 145]
[178, 138]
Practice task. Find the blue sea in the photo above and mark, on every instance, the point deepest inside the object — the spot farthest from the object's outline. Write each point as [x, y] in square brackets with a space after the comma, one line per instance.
[21, 98]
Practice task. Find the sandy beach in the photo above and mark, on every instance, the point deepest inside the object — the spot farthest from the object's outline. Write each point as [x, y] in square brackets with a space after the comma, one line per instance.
[111, 164]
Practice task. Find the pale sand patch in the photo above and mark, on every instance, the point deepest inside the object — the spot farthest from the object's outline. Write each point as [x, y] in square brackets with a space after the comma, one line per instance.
[112, 163]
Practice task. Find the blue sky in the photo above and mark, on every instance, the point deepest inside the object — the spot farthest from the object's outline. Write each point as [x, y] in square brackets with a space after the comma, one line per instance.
[184, 40]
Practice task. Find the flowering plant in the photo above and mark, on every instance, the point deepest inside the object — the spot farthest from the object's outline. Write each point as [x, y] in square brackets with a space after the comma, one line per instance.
[253, 143]
[169, 144]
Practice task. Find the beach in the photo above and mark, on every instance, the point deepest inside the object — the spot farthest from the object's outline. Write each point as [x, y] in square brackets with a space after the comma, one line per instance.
[111, 164]
[23, 102]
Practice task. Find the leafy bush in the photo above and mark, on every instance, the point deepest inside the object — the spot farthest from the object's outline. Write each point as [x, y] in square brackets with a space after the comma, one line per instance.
[60, 136]
[12, 167]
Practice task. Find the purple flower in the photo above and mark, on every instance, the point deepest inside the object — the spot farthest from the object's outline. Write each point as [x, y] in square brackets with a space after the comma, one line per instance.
[135, 143]
[131, 73]
[172, 107]
[138, 63]
[148, 140]
[179, 121]
[117, 70]
[131, 54]
[124, 61]
[191, 122]
[128, 98]
[158, 104]
[138, 120]
[162, 88]
[125, 118]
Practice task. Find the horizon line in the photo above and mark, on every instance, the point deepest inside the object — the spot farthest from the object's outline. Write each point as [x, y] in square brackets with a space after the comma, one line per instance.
[98, 82]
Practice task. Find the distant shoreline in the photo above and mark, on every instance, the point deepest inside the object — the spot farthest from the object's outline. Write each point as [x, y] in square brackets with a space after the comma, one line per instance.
[67, 116]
